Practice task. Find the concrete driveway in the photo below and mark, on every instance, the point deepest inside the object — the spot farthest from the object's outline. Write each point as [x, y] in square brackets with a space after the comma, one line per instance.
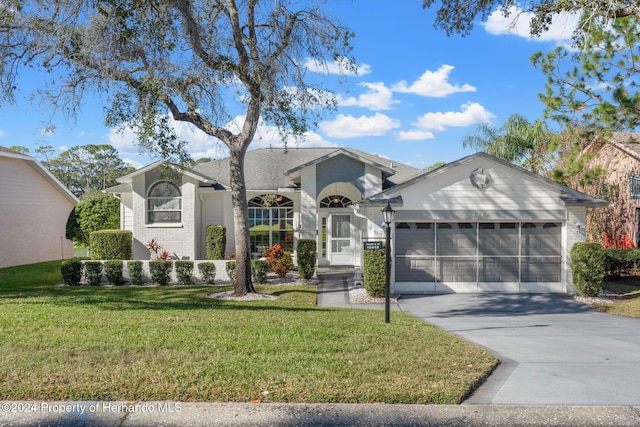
[554, 351]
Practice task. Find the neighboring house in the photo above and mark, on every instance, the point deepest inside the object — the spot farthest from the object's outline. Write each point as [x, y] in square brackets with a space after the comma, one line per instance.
[477, 224]
[614, 170]
[34, 211]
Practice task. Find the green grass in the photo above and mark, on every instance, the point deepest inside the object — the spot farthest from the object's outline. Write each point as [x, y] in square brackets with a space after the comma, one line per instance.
[173, 343]
[628, 303]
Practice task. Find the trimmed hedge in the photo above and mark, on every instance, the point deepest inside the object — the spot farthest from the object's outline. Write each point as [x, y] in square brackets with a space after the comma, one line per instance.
[113, 271]
[184, 272]
[160, 271]
[622, 262]
[136, 273]
[207, 272]
[71, 272]
[231, 271]
[306, 251]
[111, 244]
[587, 265]
[216, 239]
[374, 274]
[259, 270]
[93, 272]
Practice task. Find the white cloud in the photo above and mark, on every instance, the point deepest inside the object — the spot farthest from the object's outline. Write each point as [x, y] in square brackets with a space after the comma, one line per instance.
[415, 135]
[3, 133]
[336, 67]
[200, 145]
[133, 163]
[62, 148]
[347, 126]
[471, 113]
[378, 97]
[518, 23]
[434, 84]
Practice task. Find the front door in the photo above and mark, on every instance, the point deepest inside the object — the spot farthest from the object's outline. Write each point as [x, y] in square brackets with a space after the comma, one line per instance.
[340, 245]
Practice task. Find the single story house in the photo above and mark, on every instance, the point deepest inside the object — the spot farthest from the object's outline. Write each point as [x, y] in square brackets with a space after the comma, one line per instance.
[34, 211]
[478, 224]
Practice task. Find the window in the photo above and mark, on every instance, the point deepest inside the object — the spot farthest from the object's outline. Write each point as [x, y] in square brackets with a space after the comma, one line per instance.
[270, 222]
[164, 203]
[335, 201]
[634, 186]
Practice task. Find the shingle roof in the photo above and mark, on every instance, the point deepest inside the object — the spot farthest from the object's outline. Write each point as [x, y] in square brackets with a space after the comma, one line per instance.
[266, 168]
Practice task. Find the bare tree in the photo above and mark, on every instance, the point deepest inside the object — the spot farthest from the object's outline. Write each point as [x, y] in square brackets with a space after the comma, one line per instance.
[185, 57]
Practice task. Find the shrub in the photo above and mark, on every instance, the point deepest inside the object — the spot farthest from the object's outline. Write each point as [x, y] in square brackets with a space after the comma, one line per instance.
[621, 262]
[259, 270]
[93, 213]
[374, 272]
[184, 272]
[111, 244]
[279, 260]
[216, 239]
[113, 271]
[306, 257]
[160, 271]
[207, 272]
[71, 272]
[231, 271]
[136, 275]
[587, 265]
[93, 272]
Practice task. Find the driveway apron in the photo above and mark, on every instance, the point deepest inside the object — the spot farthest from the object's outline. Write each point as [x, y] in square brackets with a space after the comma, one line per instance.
[553, 350]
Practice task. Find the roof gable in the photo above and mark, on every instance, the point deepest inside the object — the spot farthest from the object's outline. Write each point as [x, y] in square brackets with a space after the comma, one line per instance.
[40, 170]
[276, 168]
[486, 177]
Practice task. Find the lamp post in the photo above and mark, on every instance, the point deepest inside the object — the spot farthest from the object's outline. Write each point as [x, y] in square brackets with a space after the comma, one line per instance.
[387, 215]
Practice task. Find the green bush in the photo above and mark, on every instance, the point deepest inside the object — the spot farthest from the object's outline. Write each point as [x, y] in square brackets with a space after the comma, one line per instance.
[231, 271]
[207, 272]
[374, 272]
[216, 241]
[93, 272]
[99, 212]
[113, 271]
[71, 272]
[111, 244]
[587, 265]
[621, 262]
[306, 252]
[136, 273]
[160, 271]
[259, 270]
[184, 272]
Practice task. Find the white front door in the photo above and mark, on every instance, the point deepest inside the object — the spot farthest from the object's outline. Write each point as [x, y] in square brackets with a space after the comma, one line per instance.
[341, 247]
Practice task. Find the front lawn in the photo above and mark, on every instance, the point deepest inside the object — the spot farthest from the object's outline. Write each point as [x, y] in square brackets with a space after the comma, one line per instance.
[173, 343]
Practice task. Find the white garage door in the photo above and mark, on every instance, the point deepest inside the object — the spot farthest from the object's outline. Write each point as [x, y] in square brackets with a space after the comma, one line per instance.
[478, 257]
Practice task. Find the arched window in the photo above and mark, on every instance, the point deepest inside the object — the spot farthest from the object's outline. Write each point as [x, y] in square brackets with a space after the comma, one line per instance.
[164, 203]
[335, 201]
[270, 222]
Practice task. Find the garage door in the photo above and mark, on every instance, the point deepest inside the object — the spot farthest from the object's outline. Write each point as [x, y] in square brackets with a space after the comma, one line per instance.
[478, 257]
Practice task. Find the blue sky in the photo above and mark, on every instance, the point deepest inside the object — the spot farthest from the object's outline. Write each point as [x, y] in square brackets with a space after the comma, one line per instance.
[417, 93]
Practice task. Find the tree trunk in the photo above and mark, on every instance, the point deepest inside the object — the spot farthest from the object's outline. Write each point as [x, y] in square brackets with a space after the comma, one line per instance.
[243, 283]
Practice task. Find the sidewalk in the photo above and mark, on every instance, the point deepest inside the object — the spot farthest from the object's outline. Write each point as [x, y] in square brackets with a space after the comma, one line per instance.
[174, 414]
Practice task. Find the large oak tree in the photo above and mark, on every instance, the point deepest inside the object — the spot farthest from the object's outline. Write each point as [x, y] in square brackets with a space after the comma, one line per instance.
[203, 61]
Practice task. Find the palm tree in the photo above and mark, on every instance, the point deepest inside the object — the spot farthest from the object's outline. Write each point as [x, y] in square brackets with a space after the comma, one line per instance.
[517, 141]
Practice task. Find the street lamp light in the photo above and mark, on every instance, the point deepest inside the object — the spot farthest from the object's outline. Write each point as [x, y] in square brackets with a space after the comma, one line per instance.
[387, 215]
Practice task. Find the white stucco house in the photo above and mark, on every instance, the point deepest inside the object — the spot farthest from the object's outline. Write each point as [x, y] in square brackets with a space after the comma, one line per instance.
[33, 212]
[478, 224]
